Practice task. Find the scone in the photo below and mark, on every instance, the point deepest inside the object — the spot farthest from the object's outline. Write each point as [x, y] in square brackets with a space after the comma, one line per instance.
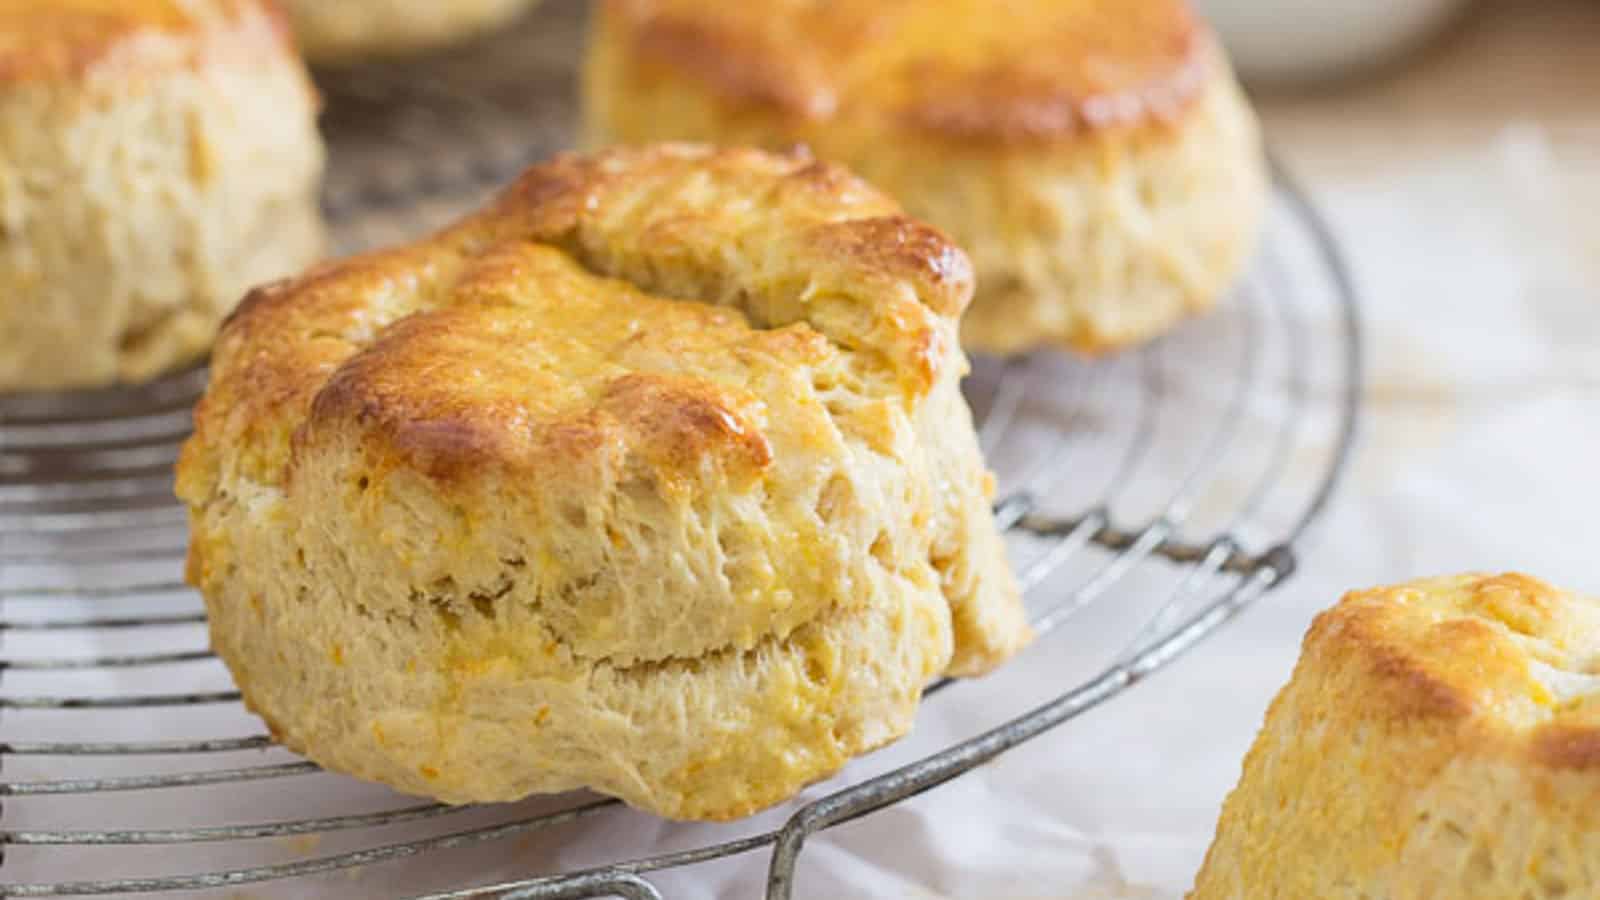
[341, 31]
[653, 477]
[1095, 158]
[157, 159]
[1440, 740]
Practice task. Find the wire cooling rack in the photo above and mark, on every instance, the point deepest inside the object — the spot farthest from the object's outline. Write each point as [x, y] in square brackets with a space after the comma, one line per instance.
[1172, 486]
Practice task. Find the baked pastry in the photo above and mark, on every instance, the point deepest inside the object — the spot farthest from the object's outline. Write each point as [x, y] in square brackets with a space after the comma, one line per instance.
[342, 31]
[1439, 739]
[654, 477]
[157, 159]
[1095, 159]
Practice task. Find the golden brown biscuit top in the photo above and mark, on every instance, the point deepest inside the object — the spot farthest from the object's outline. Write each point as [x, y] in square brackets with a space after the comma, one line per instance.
[1007, 70]
[68, 38]
[1512, 659]
[655, 298]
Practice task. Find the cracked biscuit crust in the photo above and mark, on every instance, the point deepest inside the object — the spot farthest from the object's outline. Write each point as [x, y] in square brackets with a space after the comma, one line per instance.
[1439, 738]
[654, 477]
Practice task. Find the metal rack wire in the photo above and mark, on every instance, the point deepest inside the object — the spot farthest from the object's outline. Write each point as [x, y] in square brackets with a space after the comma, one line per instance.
[1178, 481]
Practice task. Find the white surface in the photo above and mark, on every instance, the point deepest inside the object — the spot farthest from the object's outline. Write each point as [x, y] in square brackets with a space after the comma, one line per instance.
[1483, 314]
[1306, 39]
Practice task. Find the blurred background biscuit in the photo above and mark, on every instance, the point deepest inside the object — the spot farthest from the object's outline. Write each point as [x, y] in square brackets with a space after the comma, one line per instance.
[160, 158]
[1095, 159]
[341, 31]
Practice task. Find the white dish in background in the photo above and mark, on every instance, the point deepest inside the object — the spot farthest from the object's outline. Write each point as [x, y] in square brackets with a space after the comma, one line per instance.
[1306, 40]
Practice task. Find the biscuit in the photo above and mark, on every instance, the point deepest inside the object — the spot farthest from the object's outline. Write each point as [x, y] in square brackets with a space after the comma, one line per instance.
[343, 31]
[157, 159]
[1439, 739]
[1096, 160]
[654, 477]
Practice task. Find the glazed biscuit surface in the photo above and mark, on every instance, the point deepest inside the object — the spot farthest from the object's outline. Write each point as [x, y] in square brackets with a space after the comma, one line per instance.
[1439, 739]
[657, 423]
[519, 291]
[1021, 70]
[1509, 651]
[52, 39]
[338, 32]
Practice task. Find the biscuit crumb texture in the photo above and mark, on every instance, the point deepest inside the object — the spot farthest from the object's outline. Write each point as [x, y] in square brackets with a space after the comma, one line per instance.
[1439, 739]
[654, 478]
[343, 31]
[1096, 160]
[159, 160]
